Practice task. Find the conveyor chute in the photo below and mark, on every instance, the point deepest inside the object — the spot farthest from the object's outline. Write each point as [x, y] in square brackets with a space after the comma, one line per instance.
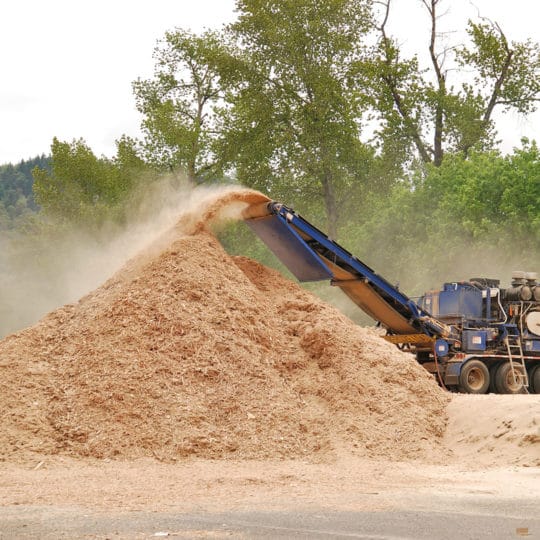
[311, 256]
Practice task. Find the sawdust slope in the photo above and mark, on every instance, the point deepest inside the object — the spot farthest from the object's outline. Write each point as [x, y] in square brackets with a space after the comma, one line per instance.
[488, 430]
[189, 352]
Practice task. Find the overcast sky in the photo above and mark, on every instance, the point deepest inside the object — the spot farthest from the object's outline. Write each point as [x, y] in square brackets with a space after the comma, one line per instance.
[66, 67]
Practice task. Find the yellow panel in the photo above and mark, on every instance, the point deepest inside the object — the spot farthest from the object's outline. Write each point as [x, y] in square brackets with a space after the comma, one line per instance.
[410, 338]
[369, 301]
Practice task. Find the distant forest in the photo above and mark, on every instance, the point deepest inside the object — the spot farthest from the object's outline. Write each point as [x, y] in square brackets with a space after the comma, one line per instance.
[16, 195]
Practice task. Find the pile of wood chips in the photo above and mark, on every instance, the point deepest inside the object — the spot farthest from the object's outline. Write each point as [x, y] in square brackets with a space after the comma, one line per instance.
[190, 352]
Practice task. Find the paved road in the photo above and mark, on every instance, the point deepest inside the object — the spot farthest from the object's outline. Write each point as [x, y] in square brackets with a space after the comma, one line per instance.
[493, 519]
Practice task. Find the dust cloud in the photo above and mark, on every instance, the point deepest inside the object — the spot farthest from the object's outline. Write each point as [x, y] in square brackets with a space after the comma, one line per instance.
[471, 261]
[60, 265]
[419, 265]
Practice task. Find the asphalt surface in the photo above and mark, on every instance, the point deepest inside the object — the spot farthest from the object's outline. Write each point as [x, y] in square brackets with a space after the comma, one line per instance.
[488, 518]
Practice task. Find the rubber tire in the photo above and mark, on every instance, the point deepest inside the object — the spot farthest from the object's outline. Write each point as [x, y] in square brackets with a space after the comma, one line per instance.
[474, 377]
[492, 370]
[502, 376]
[534, 380]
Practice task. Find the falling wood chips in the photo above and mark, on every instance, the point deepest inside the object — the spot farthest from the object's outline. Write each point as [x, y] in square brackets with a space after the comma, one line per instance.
[190, 352]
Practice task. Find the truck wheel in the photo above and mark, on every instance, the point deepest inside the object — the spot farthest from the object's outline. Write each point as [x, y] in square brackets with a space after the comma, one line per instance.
[474, 377]
[534, 380]
[504, 381]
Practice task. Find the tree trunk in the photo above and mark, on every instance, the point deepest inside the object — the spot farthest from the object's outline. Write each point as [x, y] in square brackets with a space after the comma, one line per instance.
[441, 83]
[439, 119]
[330, 205]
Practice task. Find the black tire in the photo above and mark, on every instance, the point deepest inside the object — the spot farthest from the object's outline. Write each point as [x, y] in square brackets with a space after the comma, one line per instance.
[474, 377]
[534, 380]
[504, 382]
[492, 371]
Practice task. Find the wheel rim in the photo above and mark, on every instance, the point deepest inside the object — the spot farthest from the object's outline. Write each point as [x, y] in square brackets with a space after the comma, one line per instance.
[475, 379]
[516, 385]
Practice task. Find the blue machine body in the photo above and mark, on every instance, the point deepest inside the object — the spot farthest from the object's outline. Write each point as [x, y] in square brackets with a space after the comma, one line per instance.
[455, 301]
[532, 345]
[474, 340]
[441, 347]
[289, 247]
[446, 328]
[460, 300]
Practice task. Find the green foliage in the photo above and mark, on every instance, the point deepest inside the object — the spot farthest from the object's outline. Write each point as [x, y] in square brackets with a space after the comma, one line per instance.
[17, 203]
[514, 66]
[467, 217]
[295, 112]
[178, 104]
[84, 189]
[280, 100]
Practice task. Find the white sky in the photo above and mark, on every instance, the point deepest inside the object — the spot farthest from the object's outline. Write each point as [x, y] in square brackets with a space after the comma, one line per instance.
[66, 67]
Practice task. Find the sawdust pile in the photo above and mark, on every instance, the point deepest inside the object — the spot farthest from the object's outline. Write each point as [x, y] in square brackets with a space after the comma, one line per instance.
[189, 352]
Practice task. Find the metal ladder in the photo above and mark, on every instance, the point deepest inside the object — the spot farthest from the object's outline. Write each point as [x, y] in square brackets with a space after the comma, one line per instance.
[515, 351]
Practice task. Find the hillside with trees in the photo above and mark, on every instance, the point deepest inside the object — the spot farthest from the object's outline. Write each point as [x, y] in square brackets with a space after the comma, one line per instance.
[16, 191]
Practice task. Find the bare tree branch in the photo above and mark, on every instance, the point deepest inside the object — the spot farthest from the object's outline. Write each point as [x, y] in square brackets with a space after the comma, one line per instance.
[431, 6]
[410, 125]
[501, 78]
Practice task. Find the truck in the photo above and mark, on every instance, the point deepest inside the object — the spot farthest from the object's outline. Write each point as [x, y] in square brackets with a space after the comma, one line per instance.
[472, 335]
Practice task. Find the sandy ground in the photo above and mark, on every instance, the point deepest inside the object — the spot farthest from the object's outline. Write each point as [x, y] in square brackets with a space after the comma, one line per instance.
[492, 430]
[346, 484]
[492, 448]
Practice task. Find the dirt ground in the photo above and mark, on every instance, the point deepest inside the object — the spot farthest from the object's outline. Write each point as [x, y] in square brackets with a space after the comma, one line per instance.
[500, 456]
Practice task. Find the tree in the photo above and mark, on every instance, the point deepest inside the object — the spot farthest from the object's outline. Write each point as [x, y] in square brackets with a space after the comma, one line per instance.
[520, 200]
[178, 103]
[82, 188]
[16, 197]
[294, 114]
[467, 217]
[456, 117]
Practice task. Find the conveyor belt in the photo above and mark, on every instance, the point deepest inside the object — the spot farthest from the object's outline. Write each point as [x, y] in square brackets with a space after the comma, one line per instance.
[311, 256]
